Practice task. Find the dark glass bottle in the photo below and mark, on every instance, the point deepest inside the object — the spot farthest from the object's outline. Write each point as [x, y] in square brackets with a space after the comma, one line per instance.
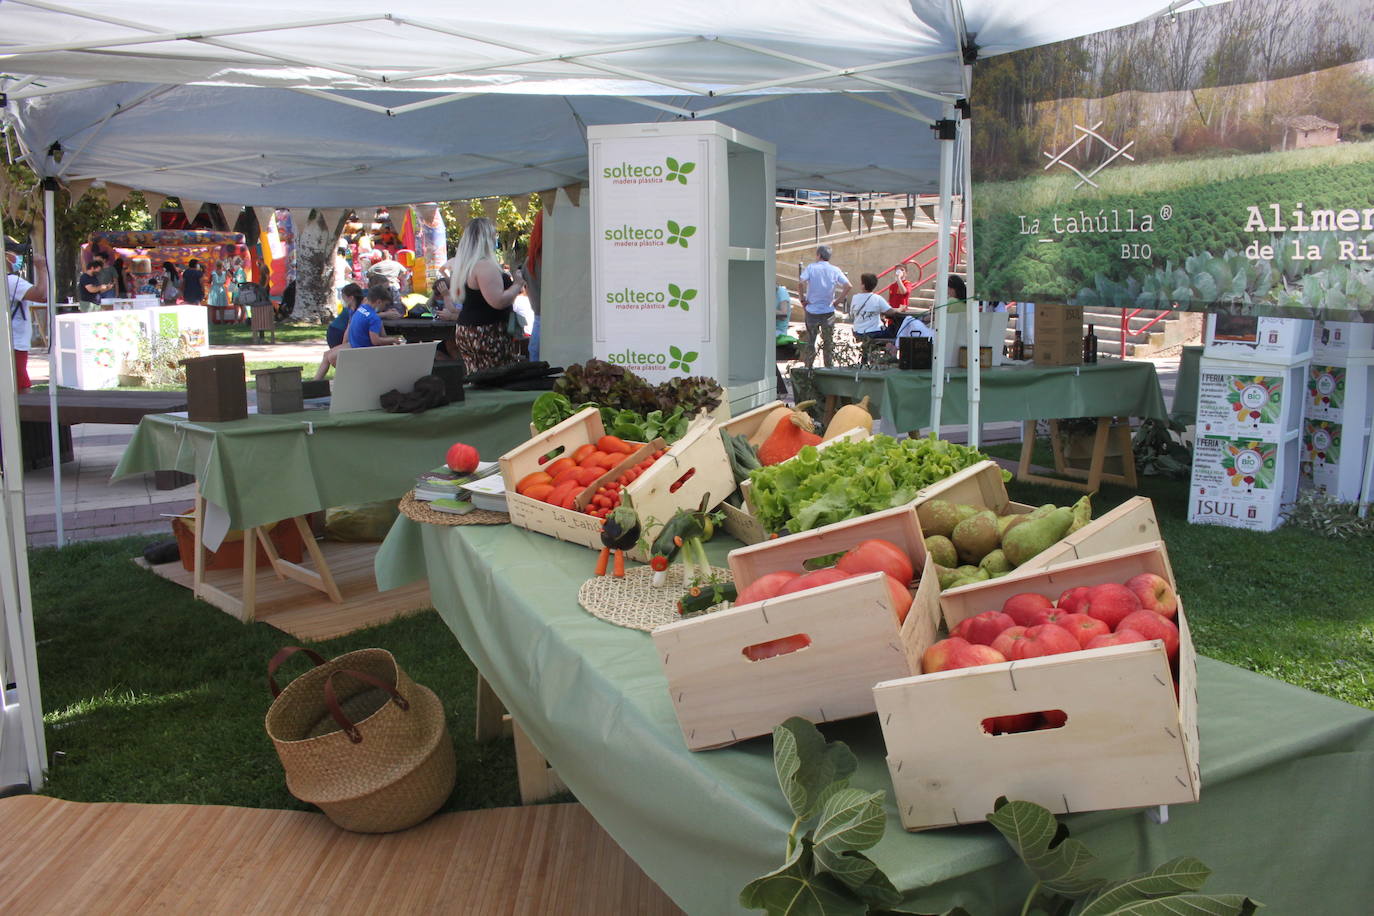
[1090, 346]
[1018, 348]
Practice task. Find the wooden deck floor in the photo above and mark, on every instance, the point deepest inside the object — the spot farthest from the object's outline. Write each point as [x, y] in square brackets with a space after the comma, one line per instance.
[72, 858]
[308, 614]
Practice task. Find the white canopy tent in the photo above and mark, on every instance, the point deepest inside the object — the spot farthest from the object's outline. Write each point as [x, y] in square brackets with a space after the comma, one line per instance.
[337, 104]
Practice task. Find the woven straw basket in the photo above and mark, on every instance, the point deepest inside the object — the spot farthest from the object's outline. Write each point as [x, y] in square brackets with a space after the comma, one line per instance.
[380, 760]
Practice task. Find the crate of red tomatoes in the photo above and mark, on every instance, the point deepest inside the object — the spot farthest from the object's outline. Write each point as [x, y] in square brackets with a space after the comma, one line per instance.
[1073, 686]
[819, 618]
[564, 481]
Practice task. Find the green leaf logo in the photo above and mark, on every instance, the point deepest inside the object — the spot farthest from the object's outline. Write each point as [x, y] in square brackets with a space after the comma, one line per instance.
[681, 360]
[678, 171]
[679, 298]
[678, 235]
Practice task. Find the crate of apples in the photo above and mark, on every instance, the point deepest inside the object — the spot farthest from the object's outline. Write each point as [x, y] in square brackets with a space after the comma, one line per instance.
[1089, 661]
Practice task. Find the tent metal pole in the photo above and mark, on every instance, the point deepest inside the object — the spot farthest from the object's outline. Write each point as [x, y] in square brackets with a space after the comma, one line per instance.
[50, 251]
[947, 132]
[975, 323]
[14, 562]
[1367, 489]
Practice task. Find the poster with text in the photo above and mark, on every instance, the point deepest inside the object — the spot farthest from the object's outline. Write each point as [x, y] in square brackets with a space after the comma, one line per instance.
[1218, 159]
[651, 303]
[1236, 406]
[1236, 482]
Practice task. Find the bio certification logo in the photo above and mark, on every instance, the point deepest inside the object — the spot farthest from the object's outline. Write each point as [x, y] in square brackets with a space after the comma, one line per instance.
[678, 235]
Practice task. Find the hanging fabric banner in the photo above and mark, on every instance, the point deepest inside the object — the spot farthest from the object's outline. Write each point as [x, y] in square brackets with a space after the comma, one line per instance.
[116, 194]
[889, 216]
[574, 193]
[547, 199]
[828, 219]
[909, 214]
[78, 188]
[190, 207]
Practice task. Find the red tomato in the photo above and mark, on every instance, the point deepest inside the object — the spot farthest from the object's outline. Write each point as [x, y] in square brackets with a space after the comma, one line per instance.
[557, 467]
[566, 474]
[877, 555]
[582, 452]
[614, 444]
[775, 647]
[530, 480]
[813, 579]
[539, 491]
[607, 460]
[571, 497]
[555, 496]
[766, 586]
[588, 475]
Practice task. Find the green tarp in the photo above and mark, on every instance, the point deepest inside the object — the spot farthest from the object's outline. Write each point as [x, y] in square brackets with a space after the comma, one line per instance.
[1288, 776]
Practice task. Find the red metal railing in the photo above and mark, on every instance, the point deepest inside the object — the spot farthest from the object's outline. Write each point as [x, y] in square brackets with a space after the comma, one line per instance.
[957, 243]
[1126, 316]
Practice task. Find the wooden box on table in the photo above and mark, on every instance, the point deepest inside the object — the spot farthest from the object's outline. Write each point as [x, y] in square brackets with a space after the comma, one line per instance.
[695, 467]
[1128, 740]
[216, 388]
[722, 696]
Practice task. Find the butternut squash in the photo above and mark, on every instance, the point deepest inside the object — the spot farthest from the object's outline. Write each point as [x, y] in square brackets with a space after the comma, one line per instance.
[850, 416]
[770, 423]
[789, 437]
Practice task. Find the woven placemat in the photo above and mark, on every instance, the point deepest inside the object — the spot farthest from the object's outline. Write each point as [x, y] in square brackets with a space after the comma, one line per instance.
[420, 511]
[632, 601]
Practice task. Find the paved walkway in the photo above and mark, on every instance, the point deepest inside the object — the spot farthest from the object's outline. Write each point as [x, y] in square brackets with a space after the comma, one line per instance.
[96, 507]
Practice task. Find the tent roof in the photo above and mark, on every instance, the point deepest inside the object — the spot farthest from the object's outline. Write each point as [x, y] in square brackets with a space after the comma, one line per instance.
[340, 104]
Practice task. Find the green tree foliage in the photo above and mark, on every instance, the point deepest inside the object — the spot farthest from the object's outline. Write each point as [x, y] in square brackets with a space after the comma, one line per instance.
[512, 225]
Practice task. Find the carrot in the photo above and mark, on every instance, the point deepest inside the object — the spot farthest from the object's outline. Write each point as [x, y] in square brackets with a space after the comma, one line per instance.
[620, 564]
[601, 562]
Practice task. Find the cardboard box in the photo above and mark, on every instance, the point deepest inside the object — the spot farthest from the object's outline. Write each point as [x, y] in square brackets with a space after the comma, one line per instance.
[947, 770]
[1280, 341]
[1058, 335]
[984, 357]
[1338, 341]
[854, 638]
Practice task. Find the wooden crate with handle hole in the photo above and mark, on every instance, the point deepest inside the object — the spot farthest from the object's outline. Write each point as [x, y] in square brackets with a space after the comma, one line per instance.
[694, 467]
[850, 628]
[1128, 741]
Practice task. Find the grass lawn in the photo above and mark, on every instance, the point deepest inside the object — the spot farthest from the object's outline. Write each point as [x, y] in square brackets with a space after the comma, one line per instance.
[234, 335]
[152, 696]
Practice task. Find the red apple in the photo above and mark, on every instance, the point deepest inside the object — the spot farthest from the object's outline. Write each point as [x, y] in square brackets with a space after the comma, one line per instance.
[1045, 639]
[1153, 626]
[1083, 627]
[1154, 593]
[1119, 638]
[971, 656]
[877, 555]
[1023, 607]
[1072, 599]
[934, 658]
[813, 579]
[1008, 638]
[901, 597]
[462, 458]
[1050, 615]
[1110, 602]
[1009, 725]
[984, 628]
[766, 586]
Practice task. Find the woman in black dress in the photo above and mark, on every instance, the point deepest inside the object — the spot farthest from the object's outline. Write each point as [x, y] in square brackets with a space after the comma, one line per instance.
[485, 293]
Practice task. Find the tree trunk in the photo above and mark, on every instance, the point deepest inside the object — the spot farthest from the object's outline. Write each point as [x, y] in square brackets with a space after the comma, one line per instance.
[315, 243]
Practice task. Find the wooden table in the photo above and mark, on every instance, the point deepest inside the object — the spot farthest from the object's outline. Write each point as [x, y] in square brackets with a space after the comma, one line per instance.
[420, 330]
[73, 407]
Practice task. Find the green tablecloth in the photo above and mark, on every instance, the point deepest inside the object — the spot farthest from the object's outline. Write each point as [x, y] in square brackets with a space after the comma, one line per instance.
[1288, 776]
[1110, 388]
[272, 466]
[1185, 389]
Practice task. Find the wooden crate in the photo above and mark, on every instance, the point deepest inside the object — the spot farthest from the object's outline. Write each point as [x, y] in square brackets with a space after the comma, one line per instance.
[1128, 741]
[978, 485]
[720, 696]
[1130, 524]
[739, 522]
[696, 464]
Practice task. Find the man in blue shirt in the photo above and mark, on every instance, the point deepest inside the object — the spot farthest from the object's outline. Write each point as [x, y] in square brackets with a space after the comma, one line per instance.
[364, 329]
[822, 284]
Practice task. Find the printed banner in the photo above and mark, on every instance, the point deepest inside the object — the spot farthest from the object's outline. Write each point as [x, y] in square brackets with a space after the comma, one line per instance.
[1237, 482]
[1218, 159]
[651, 242]
[1234, 406]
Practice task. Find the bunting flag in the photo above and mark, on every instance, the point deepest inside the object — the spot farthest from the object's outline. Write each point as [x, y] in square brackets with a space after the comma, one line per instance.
[406, 229]
[116, 194]
[574, 192]
[910, 214]
[490, 205]
[332, 215]
[427, 211]
[154, 203]
[78, 188]
[300, 217]
[847, 217]
[548, 198]
[190, 207]
[265, 216]
[867, 217]
[828, 218]
[522, 202]
[890, 216]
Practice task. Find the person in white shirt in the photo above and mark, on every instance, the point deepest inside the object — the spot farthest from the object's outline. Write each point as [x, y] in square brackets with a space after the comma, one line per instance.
[821, 285]
[21, 293]
[869, 309]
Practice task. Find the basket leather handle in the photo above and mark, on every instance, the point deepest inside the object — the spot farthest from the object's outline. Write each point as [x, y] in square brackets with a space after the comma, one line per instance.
[280, 658]
[331, 701]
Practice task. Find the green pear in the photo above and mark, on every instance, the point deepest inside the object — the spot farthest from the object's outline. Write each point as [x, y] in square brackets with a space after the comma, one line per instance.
[938, 518]
[976, 536]
[1082, 513]
[1029, 538]
[941, 550]
[1008, 522]
[947, 576]
[995, 563]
